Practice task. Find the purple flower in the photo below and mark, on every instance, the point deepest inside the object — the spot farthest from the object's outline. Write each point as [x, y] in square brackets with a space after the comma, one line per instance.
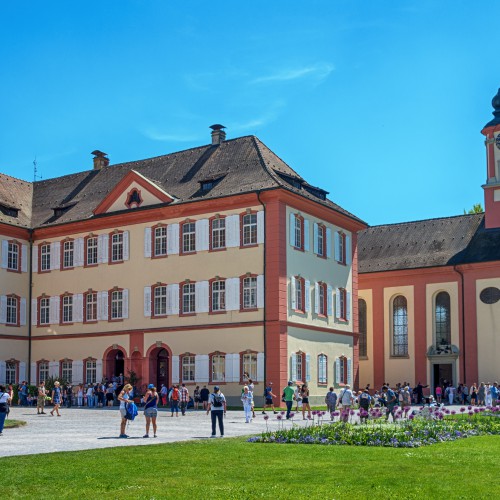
[411, 417]
[266, 417]
[462, 409]
[471, 413]
[282, 412]
[279, 417]
[469, 408]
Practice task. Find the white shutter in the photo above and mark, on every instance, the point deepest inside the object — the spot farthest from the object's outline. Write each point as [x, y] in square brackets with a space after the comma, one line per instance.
[24, 258]
[34, 259]
[306, 235]
[202, 235]
[236, 367]
[34, 311]
[79, 252]
[22, 312]
[293, 374]
[102, 306]
[78, 308]
[172, 239]
[54, 305]
[3, 309]
[292, 230]
[77, 369]
[125, 303]
[260, 227]
[315, 238]
[147, 301]
[260, 291]
[316, 298]
[337, 303]
[329, 301]
[54, 369]
[230, 375]
[33, 374]
[147, 242]
[308, 367]
[337, 371]
[233, 294]
[201, 367]
[349, 371]
[98, 370]
[307, 295]
[5, 253]
[173, 299]
[328, 242]
[126, 245]
[348, 257]
[293, 297]
[336, 239]
[201, 296]
[2, 372]
[233, 231]
[348, 306]
[175, 369]
[55, 255]
[260, 366]
[102, 248]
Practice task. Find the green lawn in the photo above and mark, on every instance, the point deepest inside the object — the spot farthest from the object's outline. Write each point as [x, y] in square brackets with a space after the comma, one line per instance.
[11, 424]
[233, 468]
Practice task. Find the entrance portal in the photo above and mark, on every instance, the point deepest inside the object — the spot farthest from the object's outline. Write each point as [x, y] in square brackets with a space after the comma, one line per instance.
[159, 366]
[115, 364]
[443, 374]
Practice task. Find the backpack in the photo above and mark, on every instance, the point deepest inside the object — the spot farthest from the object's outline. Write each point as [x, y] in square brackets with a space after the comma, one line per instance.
[131, 411]
[217, 401]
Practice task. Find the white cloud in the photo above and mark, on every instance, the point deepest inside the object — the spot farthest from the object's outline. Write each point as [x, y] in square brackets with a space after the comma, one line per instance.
[318, 71]
[155, 135]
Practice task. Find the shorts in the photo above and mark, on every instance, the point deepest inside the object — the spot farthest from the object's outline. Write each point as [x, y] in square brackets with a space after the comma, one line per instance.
[40, 402]
[269, 401]
[150, 412]
[123, 412]
[305, 401]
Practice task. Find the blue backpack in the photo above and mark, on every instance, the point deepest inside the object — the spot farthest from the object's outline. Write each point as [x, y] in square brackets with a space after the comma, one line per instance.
[132, 411]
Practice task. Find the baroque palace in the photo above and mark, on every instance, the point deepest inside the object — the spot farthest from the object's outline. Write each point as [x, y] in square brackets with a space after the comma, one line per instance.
[204, 266]
[218, 263]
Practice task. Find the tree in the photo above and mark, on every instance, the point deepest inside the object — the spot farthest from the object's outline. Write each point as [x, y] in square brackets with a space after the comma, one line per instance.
[477, 208]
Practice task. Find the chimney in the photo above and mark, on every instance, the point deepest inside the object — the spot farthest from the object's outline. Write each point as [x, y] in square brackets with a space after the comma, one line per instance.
[101, 159]
[218, 135]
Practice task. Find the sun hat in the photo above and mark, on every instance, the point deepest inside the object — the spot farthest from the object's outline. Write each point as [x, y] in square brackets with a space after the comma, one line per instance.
[151, 386]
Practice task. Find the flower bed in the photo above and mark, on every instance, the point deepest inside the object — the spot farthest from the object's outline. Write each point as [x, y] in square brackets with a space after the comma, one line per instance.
[407, 433]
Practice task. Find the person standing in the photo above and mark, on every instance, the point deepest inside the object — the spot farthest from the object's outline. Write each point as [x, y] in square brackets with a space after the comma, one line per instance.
[40, 400]
[124, 398]
[217, 408]
[79, 395]
[331, 401]
[174, 401]
[247, 399]
[183, 399]
[346, 399]
[439, 393]
[473, 394]
[5, 399]
[391, 401]
[364, 403]
[69, 395]
[297, 396]
[288, 395]
[196, 397]
[109, 395]
[163, 394]
[268, 398]
[494, 394]
[90, 396]
[151, 399]
[419, 391]
[406, 400]
[56, 398]
[251, 388]
[24, 393]
[204, 394]
[465, 394]
[304, 391]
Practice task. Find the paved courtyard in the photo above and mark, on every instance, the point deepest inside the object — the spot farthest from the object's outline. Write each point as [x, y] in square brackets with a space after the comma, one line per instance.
[85, 429]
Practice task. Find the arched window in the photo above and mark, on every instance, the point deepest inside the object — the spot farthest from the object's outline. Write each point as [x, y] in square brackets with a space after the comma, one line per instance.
[399, 326]
[442, 319]
[362, 328]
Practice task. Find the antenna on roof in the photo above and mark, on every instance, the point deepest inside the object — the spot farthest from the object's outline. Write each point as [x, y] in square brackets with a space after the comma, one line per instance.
[35, 171]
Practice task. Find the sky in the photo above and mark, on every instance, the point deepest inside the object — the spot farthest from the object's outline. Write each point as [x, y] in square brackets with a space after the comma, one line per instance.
[380, 103]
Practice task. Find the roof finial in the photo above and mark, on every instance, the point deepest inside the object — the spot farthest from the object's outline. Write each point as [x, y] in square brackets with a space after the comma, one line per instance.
[495, 102]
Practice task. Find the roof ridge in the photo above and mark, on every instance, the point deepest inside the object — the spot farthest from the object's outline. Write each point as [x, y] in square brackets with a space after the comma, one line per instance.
[15, 178]
[425, 220]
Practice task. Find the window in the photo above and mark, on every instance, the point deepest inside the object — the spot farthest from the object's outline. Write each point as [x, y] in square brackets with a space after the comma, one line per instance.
[91, 252]
[342, 374]
[160, 241]
[321, 241]
[117, 304]
[442, 320]
[134, 198]
[399, 326]
[188, 237]
[298, 232]
[117, 247]
[250, 293]
[218, 368]
[322, 369]
[67, 371]
[90, 307]
[90, 371]
[43, 371]
[341, 304]
[249, 230]
[300, 292]
[44, 311]
[299, 365]
[13, 259]
[67, 309]
[340, 248]
[188, 298]
[68, 254]
[218, 234]
[10, 372]
[249, 366]
[218, 296]
[12, 310]
[188, 367]
[322, 297]
[362, 328]
[160, 300]
[45, 257]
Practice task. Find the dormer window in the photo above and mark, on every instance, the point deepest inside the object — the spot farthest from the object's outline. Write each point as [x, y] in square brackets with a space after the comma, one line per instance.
[9, 211]
[134, 198]
[208, 184]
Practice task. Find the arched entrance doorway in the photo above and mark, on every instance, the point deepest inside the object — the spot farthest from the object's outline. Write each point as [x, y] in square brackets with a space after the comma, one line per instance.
[159, 366]
[115, 363]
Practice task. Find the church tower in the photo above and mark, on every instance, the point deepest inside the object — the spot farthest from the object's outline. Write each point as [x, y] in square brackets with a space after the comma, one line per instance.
[492, 187]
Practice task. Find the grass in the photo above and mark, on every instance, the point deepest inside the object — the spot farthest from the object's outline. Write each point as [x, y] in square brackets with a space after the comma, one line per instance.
[236, 469]
[12, 424]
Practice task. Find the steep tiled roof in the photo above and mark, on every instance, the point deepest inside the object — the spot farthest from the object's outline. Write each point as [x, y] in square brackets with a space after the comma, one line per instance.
[17, 195]
[446, 241]
[240, 165]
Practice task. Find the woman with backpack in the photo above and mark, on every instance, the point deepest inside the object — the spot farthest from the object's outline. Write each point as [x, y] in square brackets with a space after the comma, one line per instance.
[151, 399]
[174, 400]
[124, 398]
[217, 407]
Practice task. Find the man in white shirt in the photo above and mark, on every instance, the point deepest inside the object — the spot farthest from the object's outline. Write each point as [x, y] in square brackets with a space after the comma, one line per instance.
[346, 399]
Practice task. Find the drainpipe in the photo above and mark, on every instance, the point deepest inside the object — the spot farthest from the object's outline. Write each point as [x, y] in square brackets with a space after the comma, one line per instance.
[265, 277]
[28, 305]
[455, 268]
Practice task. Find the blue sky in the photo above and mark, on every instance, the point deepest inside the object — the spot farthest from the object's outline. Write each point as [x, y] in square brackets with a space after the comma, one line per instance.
[380, 103]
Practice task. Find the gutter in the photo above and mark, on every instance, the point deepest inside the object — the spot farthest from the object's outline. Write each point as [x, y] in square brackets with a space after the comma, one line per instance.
[28, 305]
[455, 268]
[264, 291]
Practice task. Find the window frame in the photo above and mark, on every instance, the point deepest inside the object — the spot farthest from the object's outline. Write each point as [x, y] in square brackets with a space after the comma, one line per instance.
[110, 304]
[302, 296]
[217, 354]
[112, 244]
[300, 229]
[64, 377]
[343, 371]
[212, 283]
[319, 381]
[322, 246]
[8, 371]
[243, 379]
[44, 256]
[243, 225]
[403, 325]
[342, 248]
[63, 266]
[86, 306]
[299, 355]
[242, 292]
[62, 306]
[86, 249]
[17, 302]
[181, 298]
[212, 220]
[92, 369]
[154, 238]
[363, 328]
[18, 256]
[192, 239]
[183, 357]
[42, 364]
[39, 310]
[323, 301]
[439, 342]
[155, 287]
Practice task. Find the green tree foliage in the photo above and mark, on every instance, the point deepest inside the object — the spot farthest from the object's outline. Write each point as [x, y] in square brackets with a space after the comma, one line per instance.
[477, 208]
